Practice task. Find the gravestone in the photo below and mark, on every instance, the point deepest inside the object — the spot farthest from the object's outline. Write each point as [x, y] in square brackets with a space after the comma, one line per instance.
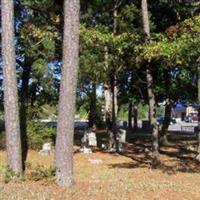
[92, 139]
[188, 129]
[46, 149]
[121, 138]
[87, 141]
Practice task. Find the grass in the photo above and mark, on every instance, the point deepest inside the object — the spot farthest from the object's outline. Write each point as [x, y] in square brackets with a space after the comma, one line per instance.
[118, 177]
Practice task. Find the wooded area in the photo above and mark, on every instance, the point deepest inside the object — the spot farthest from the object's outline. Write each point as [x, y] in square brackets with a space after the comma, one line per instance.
[71, 69]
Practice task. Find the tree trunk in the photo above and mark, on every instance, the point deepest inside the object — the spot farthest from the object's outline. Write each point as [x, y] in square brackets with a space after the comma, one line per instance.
[151, 95]
[65, 126]
[33, 93]
[168, 106]
[92, 113]
[135, 117]
[198, 135]
[108, 114]
[108, 105]
[145, 18]
[130, 115]
[166, 123]
[114, 110]
[114, 83]
[13, 142]
[23, 112]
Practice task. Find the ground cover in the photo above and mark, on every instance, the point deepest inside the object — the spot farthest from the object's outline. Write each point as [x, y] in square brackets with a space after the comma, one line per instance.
[127, 176]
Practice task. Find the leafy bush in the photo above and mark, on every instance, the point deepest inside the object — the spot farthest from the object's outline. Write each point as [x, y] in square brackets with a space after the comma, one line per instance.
[9, 175]
[2, 140]
[39, 133]
[40, 172]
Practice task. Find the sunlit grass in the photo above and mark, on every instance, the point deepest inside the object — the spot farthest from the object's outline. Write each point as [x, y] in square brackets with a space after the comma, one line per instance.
[118, 177]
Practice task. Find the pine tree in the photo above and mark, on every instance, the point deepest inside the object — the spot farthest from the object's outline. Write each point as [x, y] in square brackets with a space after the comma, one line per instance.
[151, 95]
[13, 142]
[65, 126]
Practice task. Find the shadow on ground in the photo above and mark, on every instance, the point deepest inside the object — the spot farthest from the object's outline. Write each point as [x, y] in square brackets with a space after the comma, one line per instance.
[174, 158]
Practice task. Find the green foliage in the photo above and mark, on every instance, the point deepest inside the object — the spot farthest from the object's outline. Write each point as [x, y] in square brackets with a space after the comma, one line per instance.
[123, 113]
[182, 47]
[39, 133]
[40, 172]
[142, 111]
[82, 112]
[160, 111]
[10, 175]
[42, 3]
[45, 111]
[2, 140]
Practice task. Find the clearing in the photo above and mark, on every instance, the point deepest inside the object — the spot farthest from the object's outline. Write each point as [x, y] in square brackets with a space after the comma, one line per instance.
[115, 177]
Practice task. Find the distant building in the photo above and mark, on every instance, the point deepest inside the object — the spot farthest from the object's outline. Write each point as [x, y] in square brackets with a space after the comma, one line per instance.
[190, 109]
[180, 110]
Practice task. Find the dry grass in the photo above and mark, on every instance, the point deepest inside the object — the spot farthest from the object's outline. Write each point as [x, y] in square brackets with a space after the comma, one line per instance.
[118, 177]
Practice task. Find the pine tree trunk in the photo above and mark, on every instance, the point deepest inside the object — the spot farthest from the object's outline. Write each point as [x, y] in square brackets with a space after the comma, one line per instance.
[33, 91]
[13, 142]
[108, 114]
[114, 110]
[167, 117]
[135, 117]
[130, 114]
[198, 134]
[65, 127]
[92, 113]
[151, 95]
[166, 123]
[114, 84]
[108, 104]
[23, 113]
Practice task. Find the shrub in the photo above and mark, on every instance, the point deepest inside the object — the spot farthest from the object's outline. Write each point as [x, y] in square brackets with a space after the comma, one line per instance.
[41, 172]
[2, 140]
[39, 133]
[9, 175]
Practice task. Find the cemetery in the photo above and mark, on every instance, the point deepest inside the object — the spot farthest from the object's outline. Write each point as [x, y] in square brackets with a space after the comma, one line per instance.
[99, 100]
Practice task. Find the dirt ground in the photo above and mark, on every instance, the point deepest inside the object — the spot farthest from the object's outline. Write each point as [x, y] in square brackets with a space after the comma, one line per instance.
[113, 176]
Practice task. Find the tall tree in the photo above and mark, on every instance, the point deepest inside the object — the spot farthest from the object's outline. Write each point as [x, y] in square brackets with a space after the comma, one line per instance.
[13, 142]
[198, 86]
[151, 95]
[65, 127]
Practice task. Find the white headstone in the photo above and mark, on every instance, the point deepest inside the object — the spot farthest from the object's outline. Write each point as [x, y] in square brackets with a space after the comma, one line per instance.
[46, 149]
[46, 146]
[92, 139]
[122, 136]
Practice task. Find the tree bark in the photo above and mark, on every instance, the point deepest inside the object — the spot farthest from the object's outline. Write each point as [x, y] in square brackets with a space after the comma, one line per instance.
[92, 113]
[13, 142]
[168, 106]
[151, 95]
[135, 117]
[114, 83]
[108, 104]
[198, 134]
[33, 91]
[65, 126]
[166, 123]
[130, 115]
[108, 114]
[114, 109]
[23, 112]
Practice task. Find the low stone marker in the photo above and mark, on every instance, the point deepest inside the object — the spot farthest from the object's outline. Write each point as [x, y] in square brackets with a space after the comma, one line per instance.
[188, 129]
[95, 161]
[121, 138]
[46, 149]
[88, 141]
[92, 139]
